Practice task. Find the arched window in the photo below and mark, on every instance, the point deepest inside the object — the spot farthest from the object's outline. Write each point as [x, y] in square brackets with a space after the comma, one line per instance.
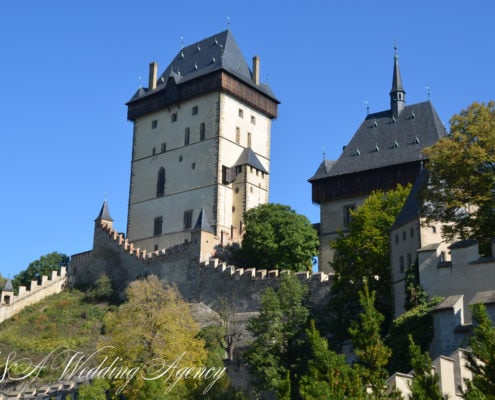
[160, 182]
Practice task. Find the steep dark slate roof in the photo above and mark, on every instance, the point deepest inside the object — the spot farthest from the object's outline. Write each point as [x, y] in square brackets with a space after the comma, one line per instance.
[411, 207]
[248, 157]
[203, 222]
[383, 141]
[218, 52]
[8, 286]
[104, 213]
[323, 170]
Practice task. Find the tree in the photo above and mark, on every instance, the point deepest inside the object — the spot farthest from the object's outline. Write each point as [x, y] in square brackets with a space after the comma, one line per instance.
[275, 357]
[276, 237]
[42, 266]
[154, 325]
[364, 252]
[329, 375]
[481, 361]
[3, 281]
[95, 390]
[424, 385]
[371, 352]
[461, 191]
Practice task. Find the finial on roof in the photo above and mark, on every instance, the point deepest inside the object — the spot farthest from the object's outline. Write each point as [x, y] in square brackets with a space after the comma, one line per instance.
[428, 93]
[324, 153]
[140, 83]
[228, 23]
[367, 107]
[397, 94]
[182, 42]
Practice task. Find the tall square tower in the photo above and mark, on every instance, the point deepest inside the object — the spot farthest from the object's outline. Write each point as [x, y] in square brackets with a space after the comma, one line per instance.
[201, 145]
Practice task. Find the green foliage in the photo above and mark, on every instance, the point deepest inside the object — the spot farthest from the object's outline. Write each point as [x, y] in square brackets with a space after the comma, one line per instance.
[154, 325]
[276, 237]
[462, 174]
[424, 385]
[371, 351]
[101, 290]
[3, 281]
[275, 356]
[415, 294]
[482, 359]
[329, 376]
[95, 390]
[42, 266]
[417, 322]
[363, 252]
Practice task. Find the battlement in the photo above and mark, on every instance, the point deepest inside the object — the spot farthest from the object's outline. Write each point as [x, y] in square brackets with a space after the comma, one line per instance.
[252, 273]
[11, 304]
[465, 274]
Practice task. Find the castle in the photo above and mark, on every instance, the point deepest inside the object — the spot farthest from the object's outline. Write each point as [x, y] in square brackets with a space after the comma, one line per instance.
[201, 159]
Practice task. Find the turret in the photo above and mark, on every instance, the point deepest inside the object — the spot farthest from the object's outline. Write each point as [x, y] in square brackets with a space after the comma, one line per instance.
[104, 217]
[397, 94]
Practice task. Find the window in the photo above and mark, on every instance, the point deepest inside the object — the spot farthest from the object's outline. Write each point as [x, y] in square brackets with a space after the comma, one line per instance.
[409, 260]
[164, 147]
[404, 235]
[160, 183]
[188, 219]
[347, 214]
[237, 135]
[249, 140]
[412, 231]
[194, 110]
[193, 165]
[153, 151]
[401, 264]
[241, 113]
[434, 229]
[187, 135]
[238, 169]
[253, 119]
[180, 158]
[157, 227]
[154, 124]
[202, 131]
[173, 117]
[396, 239]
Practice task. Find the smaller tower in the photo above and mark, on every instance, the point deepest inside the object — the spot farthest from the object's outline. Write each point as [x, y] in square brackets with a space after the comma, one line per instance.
[397, 94]
[104, 218]
[7, 293]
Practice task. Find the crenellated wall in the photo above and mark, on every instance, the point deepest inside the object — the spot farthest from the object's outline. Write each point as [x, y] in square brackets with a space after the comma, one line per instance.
[10, 304]
[190, 266]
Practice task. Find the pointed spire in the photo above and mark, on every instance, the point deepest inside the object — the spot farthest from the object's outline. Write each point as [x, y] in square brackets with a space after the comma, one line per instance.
[8, 286]
[397, 94]
[104, 214]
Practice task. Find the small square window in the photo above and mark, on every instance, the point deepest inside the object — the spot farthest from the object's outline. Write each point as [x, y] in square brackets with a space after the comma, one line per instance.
[180, 158]
[154, 124]
[241, 113]
[173, 117]
[188, 219]
[153, 151]
[193, 165]
[194, 110]
[164, 147]
[253, 119]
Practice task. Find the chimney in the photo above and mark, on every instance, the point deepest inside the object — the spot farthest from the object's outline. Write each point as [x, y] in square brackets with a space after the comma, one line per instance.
[152, 77]
[256, 70]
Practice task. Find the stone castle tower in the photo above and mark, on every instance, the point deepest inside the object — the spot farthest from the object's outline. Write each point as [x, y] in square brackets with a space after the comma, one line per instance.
[201, 145]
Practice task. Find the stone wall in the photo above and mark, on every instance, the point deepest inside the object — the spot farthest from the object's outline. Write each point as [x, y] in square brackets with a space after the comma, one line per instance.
[10, 304]
[208, 282]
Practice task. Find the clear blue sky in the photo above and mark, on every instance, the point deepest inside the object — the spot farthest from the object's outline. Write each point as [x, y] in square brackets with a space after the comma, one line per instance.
[68, 67]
